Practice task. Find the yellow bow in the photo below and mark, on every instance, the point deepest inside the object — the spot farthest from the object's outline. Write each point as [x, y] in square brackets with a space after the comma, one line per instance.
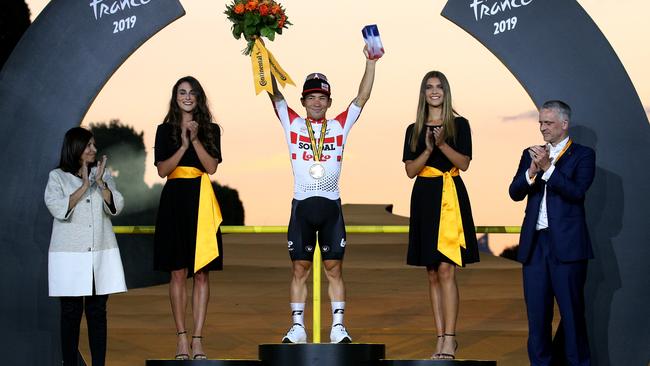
[451, 236]
[209, 217]
[264, 64]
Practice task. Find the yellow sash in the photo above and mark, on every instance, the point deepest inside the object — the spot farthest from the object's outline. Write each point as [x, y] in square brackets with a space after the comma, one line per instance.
[451, 236]
[209, 217]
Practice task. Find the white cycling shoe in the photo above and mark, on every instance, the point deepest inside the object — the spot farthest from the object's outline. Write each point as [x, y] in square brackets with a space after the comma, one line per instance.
[295, 334]
[338, 334]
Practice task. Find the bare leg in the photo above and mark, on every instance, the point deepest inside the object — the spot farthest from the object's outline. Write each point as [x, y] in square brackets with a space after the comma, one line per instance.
[200, 298]
[436, 307]
[447, 276]
[178, 299]
[334, 273]
[299, 280]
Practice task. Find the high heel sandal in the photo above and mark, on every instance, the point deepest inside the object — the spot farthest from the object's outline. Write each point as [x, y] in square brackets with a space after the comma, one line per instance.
[436, 356]
[449, 356]
[181, 356]
[198, 356]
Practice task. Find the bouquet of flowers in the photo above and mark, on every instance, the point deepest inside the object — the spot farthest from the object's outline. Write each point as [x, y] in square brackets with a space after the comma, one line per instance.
[256, 18]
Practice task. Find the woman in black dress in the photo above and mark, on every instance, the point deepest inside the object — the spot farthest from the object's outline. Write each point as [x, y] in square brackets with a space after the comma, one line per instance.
[441, 228]
[187, 150]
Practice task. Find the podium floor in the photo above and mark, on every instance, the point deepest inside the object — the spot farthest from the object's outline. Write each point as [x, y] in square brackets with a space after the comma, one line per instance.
[387, 303]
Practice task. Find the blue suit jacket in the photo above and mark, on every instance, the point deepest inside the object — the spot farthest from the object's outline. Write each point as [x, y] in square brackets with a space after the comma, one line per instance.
[565, 196]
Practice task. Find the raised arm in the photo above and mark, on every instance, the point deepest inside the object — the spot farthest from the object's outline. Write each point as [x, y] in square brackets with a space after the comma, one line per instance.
[276, 96]
[366, 82]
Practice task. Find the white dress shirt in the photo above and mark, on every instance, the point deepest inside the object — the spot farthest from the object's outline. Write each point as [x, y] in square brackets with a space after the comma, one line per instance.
[554, 151]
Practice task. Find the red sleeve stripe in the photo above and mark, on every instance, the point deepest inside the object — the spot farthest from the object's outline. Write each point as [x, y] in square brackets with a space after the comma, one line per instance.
[342, 117]
[292, 115]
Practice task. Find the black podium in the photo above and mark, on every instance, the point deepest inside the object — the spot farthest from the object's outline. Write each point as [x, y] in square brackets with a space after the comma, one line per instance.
[324, 354]
[203, 363]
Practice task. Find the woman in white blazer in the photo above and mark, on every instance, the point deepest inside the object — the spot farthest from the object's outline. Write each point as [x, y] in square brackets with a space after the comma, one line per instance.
[84, 259]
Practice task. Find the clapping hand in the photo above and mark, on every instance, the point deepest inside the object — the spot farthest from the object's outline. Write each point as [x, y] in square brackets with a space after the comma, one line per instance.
[83, 173]
[185, 140]
[193, 127]
[101, 168]
[439, 135]
[429, 139]
[540, 157]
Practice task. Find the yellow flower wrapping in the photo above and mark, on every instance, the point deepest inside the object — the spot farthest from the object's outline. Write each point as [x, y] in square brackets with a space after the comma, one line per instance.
[209, 217]
[451, 236]
[264, 64]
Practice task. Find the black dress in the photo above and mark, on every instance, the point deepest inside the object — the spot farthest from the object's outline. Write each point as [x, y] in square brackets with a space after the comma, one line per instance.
[426, 199]
[176, 222]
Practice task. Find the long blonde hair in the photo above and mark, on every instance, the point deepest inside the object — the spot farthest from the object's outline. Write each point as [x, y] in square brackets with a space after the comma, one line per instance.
[422, 114]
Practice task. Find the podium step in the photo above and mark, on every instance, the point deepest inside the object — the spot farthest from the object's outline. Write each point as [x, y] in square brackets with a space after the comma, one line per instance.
[325, 354]
[436, 363]
[203, 363]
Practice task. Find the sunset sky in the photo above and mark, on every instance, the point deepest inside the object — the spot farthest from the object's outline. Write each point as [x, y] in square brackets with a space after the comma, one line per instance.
[326, 37]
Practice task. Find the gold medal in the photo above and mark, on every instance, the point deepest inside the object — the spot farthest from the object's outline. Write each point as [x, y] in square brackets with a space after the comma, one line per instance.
[317, 171]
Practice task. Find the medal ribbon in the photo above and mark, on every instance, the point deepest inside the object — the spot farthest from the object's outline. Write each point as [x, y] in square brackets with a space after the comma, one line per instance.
[451, 236]
[566, 147]
[318, 150]
[264, 64]
[209, 217]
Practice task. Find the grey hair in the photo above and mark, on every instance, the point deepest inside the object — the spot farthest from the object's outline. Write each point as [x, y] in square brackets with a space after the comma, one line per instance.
[560, 107]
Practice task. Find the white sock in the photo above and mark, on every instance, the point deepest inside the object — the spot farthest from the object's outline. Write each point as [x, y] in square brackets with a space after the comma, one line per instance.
[338, 309]
[298, 313]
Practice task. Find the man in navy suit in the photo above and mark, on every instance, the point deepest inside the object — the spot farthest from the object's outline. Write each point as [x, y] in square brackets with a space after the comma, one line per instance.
[554, 245]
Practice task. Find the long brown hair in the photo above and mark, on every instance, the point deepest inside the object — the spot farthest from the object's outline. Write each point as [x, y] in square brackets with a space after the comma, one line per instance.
[201, 115]
[422, 114]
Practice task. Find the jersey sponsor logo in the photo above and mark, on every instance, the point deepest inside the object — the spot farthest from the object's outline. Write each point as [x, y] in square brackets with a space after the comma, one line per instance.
[343, 243]
[309, 248]
[295, 138]
[307, 146]
[310, 157]
[326, 248]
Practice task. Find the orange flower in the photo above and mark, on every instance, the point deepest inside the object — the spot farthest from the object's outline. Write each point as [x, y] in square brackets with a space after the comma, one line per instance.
[264, 9]
[275, 9]
[251, 5]
[281, 21]
[239, 8]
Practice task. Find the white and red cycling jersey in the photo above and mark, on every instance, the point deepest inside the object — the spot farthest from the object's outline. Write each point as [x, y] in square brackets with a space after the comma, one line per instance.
[302, 156]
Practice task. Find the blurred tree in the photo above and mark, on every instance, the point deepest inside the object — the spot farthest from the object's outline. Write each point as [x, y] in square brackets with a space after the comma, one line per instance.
[232, 208]
[126, 158]
[14, 21]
